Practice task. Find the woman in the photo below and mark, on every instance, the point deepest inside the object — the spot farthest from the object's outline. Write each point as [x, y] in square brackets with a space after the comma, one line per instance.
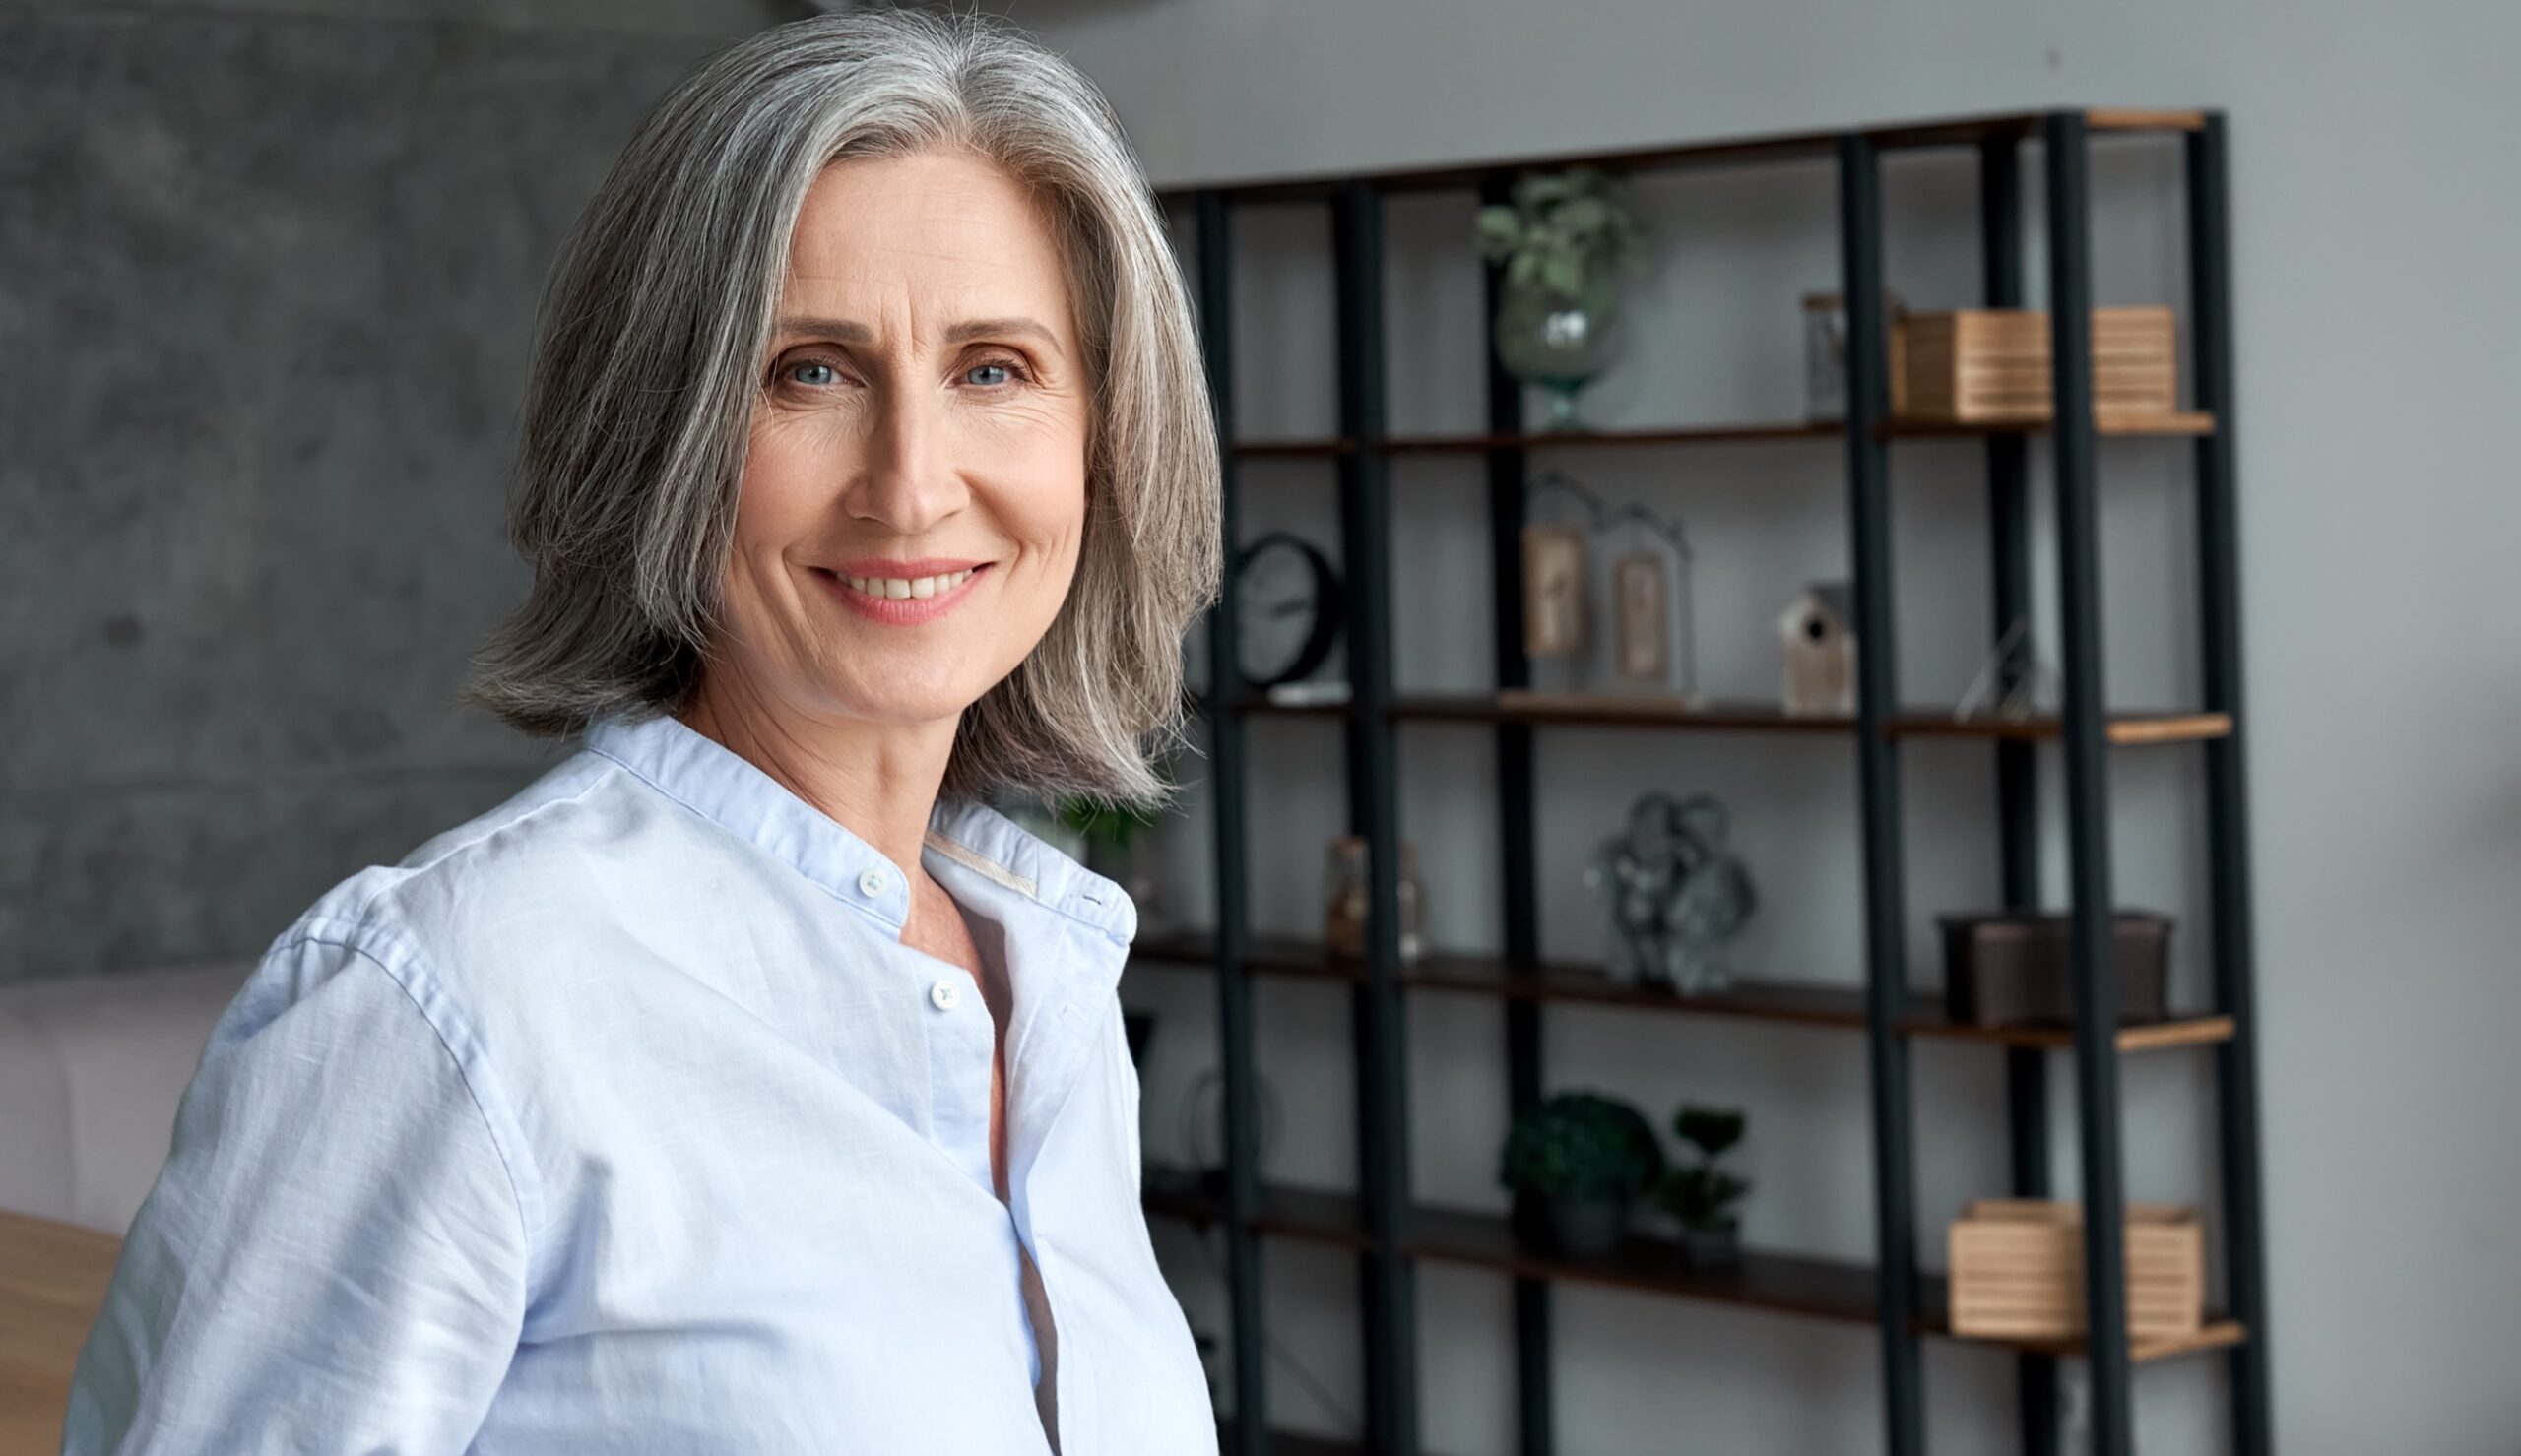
[744, 1085]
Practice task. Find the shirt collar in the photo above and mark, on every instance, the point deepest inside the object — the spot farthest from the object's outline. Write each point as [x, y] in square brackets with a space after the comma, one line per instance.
[704, 776]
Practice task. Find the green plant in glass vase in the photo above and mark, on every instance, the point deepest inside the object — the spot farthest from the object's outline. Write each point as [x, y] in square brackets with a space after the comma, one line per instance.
[1565, 239]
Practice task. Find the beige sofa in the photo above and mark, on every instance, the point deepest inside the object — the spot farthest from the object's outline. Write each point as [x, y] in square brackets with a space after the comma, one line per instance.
[90, 1069]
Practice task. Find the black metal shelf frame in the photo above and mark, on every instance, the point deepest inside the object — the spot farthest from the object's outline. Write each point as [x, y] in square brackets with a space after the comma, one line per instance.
[1386, 1267]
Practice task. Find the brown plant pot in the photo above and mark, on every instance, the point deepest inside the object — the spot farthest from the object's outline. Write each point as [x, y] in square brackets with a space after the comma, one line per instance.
[1576, 1228]
[1712, 1250]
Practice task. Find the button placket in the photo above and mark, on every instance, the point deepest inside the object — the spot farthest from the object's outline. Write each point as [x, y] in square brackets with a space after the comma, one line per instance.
[960, 1042]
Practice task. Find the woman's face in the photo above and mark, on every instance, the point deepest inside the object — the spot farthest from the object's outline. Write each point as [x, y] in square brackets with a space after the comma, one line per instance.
[915, 491]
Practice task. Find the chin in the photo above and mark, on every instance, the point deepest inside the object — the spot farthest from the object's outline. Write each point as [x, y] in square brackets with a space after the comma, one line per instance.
[902, 698]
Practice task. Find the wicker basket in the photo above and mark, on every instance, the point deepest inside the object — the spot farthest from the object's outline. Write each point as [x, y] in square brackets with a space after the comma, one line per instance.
[1990, 365]
[2018, 1271]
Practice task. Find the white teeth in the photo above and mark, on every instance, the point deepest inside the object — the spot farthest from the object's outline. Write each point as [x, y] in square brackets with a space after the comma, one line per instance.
[897, 589]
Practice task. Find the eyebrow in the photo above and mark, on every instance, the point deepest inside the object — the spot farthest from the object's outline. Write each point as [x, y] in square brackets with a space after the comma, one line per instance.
[851, 331]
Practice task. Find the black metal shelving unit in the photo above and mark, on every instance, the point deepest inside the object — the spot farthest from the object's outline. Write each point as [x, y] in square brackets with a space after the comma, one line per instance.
[1390, 1232]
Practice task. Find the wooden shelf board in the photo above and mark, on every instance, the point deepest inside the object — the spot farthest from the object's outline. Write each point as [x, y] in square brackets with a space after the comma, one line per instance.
[1771, 146]
[1804, 1003]
[1258, 705]
[2161, 1036]
[1290, 1442]
[2129, 729]
[2126, 729]
[1289, 1210]
[1785, 1284]
[1833, 1006]
[1697, 434]
[2217, 1334]
[1793, 1284]
[2143, 119]
[2178, 422]
[2183, 422]
[1266, 449]
[1607, 710]
[1267, 955]
[1788, 1284]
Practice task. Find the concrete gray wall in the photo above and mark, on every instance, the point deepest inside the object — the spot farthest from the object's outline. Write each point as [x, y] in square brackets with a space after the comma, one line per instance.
[2376, 311]
[267, 281]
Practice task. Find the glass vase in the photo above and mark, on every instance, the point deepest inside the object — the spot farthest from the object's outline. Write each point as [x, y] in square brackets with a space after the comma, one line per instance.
[1346, 896]
[1556, 341]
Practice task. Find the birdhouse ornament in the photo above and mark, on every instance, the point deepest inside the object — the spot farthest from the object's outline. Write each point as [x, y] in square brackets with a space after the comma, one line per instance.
[1817, 634]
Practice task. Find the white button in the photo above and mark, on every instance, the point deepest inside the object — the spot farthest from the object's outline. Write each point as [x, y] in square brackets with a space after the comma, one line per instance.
[871, 883]
[946, 994]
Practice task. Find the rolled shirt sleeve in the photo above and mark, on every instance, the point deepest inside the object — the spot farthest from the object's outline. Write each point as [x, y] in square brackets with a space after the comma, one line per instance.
[334, 1257]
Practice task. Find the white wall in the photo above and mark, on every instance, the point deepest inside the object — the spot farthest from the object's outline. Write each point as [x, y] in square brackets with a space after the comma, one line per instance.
[2372, 219]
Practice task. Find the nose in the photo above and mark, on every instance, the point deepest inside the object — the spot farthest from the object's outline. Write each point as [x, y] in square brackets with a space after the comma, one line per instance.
[909, 481]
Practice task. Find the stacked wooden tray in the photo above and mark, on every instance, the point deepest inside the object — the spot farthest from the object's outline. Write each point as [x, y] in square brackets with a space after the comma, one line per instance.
[1990, 365]
[2018, 1271]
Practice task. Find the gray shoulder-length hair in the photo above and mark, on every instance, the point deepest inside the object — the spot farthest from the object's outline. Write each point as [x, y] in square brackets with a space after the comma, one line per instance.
[654, 333]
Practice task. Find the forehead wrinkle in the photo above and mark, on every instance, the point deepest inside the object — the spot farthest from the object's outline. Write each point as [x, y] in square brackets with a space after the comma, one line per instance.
[852, 331]
[859, 274]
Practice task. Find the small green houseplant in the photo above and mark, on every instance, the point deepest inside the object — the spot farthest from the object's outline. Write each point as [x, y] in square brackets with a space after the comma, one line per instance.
[1105, 826]
[1577, 1163]
[1704, 1196]
[1565, 239]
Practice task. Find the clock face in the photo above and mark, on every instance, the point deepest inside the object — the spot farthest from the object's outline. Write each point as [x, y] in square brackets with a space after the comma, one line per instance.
[1287, 609]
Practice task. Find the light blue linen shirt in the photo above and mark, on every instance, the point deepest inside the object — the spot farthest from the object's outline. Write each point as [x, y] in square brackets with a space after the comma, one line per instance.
[620, 1120]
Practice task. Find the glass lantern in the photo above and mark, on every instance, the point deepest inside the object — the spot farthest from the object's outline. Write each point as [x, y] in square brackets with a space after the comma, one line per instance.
[1562, 615]
[1650, 630]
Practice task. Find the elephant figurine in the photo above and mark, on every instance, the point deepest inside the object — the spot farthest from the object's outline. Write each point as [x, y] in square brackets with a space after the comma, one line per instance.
[1671, 895]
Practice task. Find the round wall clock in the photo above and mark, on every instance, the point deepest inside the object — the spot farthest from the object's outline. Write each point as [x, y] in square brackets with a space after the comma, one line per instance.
[1289, 605]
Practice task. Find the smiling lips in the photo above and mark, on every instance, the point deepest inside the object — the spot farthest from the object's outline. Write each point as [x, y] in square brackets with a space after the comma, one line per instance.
[902, 592]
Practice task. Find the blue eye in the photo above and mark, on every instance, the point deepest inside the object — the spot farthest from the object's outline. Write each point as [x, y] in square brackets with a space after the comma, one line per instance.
[811, 364]
[997, 364]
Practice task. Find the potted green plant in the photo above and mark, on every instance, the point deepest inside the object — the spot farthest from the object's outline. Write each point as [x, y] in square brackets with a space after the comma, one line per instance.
[1576, 1163]
[1565, 239]
[1704, 1196]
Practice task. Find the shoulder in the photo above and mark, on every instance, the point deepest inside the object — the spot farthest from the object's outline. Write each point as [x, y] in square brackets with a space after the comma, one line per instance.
[546, 823]
[468, 903]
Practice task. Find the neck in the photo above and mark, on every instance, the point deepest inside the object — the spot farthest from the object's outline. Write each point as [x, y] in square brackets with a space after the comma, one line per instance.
[876, 780]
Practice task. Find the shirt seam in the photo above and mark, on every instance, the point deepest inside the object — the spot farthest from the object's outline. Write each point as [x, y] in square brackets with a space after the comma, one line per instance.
[361, 909]
[524, 1182]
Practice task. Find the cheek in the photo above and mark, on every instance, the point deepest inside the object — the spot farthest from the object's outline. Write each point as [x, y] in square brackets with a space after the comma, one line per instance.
[778, 499]
[1040, 455]
[785, 499]
[1050, 520]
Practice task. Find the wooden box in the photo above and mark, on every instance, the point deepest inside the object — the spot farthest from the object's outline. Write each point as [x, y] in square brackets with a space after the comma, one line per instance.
[2018, 1271]
[2016, 968]
[1990, 365]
